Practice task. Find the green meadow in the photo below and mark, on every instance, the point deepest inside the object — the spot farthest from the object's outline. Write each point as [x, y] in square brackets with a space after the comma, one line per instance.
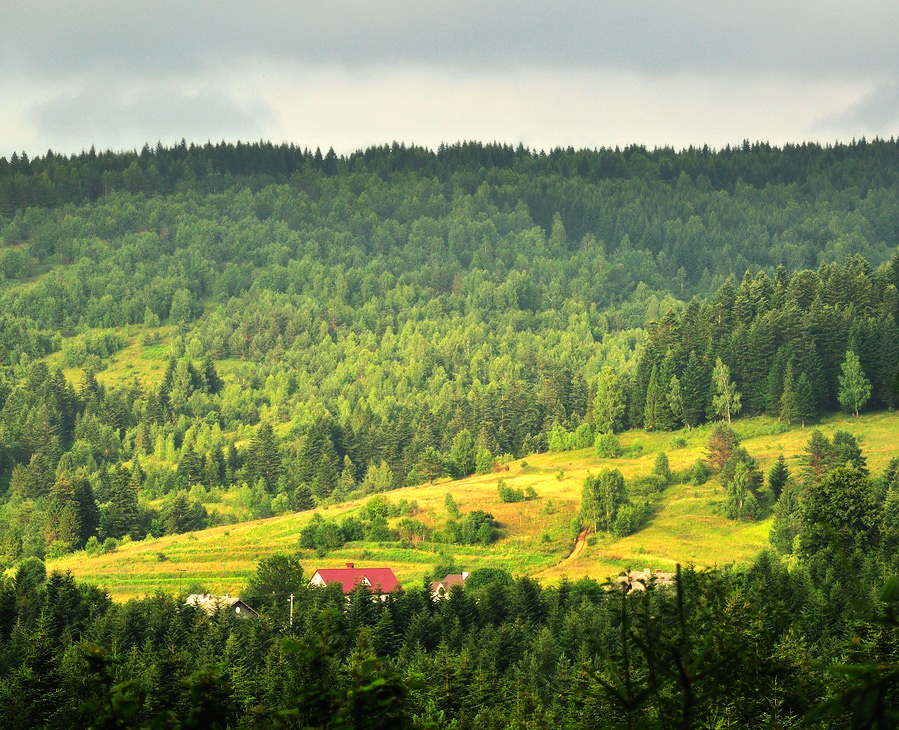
[688, 525]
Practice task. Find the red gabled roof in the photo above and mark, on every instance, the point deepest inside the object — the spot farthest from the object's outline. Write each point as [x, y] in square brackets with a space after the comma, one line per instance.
[381, 580]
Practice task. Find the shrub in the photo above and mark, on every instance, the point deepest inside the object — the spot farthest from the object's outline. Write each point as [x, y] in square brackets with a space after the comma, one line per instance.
[647, 485]
[699, 473]
[634, 450]
[630, 519]
[92, 547]
[509, 494]
[607, 446]
[661, 467]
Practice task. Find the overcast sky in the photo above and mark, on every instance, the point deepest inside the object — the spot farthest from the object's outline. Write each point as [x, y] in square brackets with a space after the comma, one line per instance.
[351, 73]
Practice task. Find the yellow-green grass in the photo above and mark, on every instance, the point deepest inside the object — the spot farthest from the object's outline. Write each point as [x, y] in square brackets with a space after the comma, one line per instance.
[688, 525]
[144, 357]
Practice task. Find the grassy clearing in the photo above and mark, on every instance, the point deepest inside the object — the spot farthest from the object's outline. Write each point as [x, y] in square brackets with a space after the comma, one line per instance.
[689, 526]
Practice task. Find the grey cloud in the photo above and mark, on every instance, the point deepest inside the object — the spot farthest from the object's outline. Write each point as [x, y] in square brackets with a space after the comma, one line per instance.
[661, 36]
[877, 113]
[128, 119]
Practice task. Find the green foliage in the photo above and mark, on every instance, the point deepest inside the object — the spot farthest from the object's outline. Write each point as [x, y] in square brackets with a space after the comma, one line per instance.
[727, 400]
[855, 388]
[561, 440]
[607, 446]
[389, 311]
[630, 519]
[608, 402]
[181, 513]
[661, 467]
[89, 350]
[721, 445]
[778, 476]
[602, 496]
[451, 507]
[741, 502]
[787, 520]
[839, 514]
[509, 494]
[276, 576]
[699, 473]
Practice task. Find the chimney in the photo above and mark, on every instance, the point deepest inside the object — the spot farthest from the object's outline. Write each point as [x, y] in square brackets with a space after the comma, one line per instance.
[350, 565]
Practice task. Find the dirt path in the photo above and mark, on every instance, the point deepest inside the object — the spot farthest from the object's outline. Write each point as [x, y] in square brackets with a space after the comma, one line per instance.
[579, 545]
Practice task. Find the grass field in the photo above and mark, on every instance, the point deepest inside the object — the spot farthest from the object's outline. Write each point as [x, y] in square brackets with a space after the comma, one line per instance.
[688, 526]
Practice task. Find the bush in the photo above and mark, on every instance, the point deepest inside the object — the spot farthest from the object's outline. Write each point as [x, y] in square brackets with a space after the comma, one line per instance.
[647, 485]
[631, 518]
[634, 450]
[509, 494]
[607, 446]
[661, 467]
[92, 547]
[699, 473]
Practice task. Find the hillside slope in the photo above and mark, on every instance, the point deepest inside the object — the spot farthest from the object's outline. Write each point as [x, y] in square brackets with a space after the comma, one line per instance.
[688, 527]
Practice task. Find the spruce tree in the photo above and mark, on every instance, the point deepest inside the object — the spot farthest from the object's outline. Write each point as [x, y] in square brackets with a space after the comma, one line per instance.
[694, 391]
[805, 400]
[656, 401]
[264, 459]
[778, 476]
[789, 405]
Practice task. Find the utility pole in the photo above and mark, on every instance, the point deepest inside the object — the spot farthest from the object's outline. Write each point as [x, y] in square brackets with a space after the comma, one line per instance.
[291, 610]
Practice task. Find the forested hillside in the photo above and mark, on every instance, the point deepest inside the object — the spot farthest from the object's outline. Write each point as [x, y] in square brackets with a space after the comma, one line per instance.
[279, 328]
[207, 334]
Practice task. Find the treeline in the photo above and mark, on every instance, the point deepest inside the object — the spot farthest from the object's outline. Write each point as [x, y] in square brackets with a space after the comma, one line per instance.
[793, 347]
[753, 648]
[55, 179]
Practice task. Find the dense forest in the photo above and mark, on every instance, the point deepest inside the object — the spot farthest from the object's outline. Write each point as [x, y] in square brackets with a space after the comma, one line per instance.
[318, 327]
[758, 647]
[313, 327]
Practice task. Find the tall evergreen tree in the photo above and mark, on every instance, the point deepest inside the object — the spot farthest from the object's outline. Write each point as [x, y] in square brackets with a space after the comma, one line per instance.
[264, 459]
[778, 476]
[789, 403]
[695, 386]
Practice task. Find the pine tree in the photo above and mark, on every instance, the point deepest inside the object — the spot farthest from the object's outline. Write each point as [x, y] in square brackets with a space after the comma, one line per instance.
[789, 405]
[694, 389]
[122, 513]
[302, 499]
[805, 400]
[778, 476]
[264, 459]
[656, 401]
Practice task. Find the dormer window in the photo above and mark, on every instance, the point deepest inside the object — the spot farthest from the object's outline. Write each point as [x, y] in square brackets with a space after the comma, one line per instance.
[365, 581]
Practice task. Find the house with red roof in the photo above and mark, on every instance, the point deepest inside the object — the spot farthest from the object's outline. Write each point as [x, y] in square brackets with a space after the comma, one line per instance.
[379, 581]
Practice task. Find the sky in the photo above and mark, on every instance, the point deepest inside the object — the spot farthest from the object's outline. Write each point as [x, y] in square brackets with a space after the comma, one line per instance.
[347, 74]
